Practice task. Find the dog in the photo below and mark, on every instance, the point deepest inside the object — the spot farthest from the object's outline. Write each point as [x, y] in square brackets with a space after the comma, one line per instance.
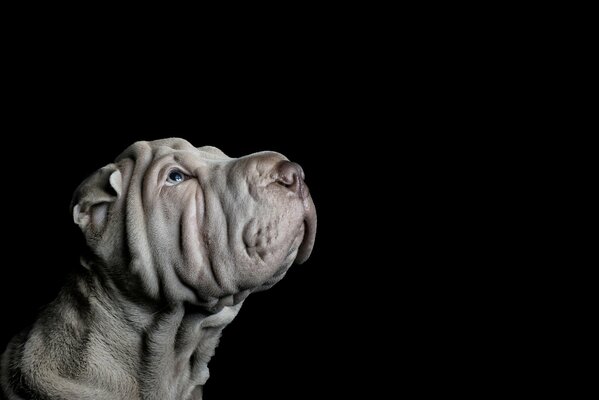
[176, 239]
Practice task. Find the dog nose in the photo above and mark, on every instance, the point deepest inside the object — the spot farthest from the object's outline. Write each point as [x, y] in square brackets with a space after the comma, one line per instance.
[291, 175]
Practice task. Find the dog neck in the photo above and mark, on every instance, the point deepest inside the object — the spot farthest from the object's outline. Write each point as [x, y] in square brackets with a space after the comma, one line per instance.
[146, 352]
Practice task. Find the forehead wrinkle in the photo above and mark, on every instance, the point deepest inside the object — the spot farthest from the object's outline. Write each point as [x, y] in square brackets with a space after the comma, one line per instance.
[181, 157]
[191, 159]
[160, 151]
[136, 151]
[173, 143]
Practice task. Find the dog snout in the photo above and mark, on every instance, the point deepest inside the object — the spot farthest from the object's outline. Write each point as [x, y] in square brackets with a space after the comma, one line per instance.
[291, 175]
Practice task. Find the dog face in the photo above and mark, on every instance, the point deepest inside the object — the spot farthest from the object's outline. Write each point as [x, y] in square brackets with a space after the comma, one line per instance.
[171, 222]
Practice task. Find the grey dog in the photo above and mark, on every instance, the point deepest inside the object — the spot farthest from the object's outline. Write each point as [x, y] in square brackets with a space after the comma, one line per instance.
[177, 238]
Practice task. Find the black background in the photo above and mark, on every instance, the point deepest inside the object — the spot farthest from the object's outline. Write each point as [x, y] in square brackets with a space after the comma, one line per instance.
[384, 300]
[317, 328]
[408, 127]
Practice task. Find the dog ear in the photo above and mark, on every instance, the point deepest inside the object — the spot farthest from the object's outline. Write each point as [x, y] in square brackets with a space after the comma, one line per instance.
[94, 195]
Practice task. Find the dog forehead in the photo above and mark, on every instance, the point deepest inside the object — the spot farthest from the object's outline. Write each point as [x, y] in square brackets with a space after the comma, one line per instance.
[163, 146]
[157, 149]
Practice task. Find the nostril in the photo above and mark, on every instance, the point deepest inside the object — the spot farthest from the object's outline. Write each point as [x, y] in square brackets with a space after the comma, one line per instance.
[287, 179]
[289, 174]
[285, 182]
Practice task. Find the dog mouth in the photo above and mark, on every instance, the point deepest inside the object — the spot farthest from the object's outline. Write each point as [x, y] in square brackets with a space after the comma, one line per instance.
[255, 238]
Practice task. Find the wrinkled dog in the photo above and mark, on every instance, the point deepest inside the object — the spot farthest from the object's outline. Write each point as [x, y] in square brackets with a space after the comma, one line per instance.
[177, 237]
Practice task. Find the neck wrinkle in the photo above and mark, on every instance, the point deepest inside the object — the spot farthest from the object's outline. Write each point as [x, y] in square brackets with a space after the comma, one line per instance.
[165, 349]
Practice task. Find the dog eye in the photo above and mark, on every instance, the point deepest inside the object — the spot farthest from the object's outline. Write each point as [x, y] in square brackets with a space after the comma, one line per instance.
[175, 177]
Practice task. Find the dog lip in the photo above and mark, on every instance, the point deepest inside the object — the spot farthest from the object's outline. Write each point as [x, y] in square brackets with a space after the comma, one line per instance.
[307, 244]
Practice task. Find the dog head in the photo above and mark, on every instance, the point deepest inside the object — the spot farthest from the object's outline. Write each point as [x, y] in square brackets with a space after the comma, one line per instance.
[171, 222]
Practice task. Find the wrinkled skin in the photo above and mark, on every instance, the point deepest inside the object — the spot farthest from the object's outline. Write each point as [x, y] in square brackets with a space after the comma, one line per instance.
[168, 265]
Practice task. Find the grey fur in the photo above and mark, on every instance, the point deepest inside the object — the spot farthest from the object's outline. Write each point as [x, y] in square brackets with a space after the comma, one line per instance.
[168, 266]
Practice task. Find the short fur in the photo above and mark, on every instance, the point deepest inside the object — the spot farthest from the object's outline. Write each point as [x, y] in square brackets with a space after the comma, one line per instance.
[167, 267]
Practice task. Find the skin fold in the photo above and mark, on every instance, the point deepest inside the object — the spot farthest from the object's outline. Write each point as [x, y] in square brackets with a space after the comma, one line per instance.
[177, 238]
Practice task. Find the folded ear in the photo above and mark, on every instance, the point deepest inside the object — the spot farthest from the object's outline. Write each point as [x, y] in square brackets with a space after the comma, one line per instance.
[92, 198]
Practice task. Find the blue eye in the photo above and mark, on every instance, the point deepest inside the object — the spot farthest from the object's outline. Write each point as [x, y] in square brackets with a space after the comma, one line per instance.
[175, 176]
